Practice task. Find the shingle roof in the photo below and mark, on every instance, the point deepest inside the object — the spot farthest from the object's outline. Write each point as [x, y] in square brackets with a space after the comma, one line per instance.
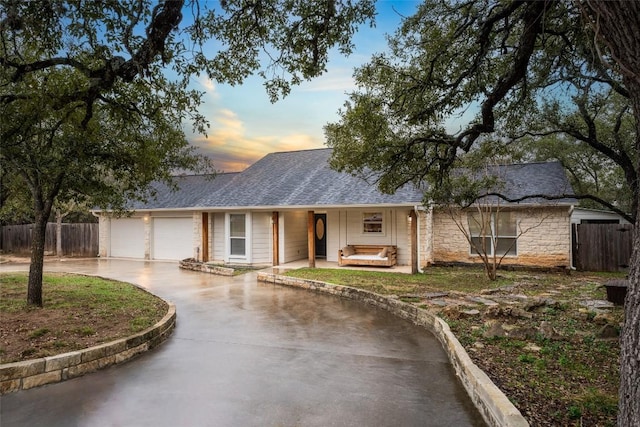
[191, 189]
[538, 178]
[304, 179]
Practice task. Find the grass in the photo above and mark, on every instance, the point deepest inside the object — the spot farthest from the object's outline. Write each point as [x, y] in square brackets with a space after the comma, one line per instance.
[569, 380]
[78, 312]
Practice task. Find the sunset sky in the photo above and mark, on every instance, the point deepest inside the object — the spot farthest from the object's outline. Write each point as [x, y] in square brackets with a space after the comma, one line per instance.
[245, 125]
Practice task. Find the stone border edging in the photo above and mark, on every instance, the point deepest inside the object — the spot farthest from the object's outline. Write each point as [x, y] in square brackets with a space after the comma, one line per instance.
[191, 264]
[52, 369]
[491, 402]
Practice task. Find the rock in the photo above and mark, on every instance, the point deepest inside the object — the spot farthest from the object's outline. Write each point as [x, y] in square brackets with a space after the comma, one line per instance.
[596, 303]
[494, 330]
[469, 313]
[500, 312]
[507, 288]
[548, 331]
[532, 347]
[478, 345]
[410, 296]
[479, 300]
[538, 302]
[608, 331]
[518, 297]
[432, 295]
[523, 333]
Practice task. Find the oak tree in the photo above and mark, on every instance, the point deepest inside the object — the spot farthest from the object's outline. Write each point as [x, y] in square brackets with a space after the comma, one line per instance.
[506, 63]
[94, 95]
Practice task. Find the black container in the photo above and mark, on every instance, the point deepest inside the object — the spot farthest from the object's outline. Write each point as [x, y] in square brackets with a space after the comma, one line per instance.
[616, 291]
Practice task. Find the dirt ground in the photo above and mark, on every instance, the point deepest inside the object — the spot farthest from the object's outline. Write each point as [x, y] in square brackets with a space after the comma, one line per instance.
[46, 332]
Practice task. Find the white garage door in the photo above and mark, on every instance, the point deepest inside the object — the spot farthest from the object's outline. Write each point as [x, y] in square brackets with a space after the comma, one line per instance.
[127, 238]
[172, 238]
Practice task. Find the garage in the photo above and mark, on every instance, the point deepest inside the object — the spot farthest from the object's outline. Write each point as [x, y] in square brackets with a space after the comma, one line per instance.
[127, 238]
[172, 238]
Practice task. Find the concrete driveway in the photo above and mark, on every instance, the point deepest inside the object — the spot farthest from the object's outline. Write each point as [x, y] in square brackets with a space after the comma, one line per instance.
[251, 354]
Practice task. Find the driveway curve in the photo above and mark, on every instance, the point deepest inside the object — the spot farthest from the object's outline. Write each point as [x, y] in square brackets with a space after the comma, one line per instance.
[252, 354]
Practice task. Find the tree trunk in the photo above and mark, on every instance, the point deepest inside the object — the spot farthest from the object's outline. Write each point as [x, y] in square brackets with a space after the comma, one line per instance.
[59, 233]
[34, 290]
[617, 25]
[629, 395]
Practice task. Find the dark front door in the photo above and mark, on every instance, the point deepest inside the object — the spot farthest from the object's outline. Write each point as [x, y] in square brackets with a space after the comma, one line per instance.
[321, 235]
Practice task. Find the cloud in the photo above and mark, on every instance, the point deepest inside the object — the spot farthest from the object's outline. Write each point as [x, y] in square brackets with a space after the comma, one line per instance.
[233, 149]
[209, 87]
[339, 79]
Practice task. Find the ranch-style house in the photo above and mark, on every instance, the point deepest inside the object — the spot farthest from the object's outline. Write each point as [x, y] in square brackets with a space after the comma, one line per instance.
[291, 206]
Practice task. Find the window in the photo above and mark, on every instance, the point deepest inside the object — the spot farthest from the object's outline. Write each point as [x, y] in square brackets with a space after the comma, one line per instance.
[372, 223]
[493, 233]
[237, 235]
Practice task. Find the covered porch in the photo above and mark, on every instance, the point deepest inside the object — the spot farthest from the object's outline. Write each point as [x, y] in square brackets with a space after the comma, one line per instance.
[313, 238]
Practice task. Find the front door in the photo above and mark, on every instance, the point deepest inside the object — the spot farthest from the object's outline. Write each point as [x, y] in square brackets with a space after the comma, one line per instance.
[321, 235]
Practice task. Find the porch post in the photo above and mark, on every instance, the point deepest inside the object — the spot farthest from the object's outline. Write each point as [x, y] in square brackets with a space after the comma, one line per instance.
[414, 241]
[275, 230]
[311, 239]
[205, 236]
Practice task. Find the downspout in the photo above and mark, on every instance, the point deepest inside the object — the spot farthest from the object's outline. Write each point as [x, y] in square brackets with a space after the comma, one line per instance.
[571, 266]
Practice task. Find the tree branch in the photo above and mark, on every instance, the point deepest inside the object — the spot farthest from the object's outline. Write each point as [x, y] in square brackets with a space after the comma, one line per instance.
[608, 205]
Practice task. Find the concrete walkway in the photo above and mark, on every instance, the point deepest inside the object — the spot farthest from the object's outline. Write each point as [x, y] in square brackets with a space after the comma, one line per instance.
[249, 354]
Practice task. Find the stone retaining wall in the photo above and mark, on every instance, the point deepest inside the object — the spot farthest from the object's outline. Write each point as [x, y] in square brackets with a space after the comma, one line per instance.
[495, 407]
[192, 264]
[33, 373]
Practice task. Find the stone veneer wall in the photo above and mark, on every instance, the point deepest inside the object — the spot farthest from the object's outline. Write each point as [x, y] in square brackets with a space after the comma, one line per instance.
[547, 243]
[197, 235]
[425, 237]
[104, 231]
[36, 372]
[493, 405]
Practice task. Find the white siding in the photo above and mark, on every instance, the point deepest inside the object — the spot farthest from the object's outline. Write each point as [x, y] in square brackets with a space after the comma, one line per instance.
[217, 239]
[345, 228]
[580, 214]
[261, 238]
[334, 242]
[294, 239]
[403, 233]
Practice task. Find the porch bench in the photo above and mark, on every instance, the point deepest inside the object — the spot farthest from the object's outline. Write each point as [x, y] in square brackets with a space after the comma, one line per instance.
[368, 255]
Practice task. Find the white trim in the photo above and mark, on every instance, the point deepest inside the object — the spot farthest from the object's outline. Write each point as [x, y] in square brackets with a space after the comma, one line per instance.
[279, 208]
[383, 223]
[247, 238]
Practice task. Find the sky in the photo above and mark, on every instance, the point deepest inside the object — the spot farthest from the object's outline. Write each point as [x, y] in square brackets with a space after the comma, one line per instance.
[245, 125]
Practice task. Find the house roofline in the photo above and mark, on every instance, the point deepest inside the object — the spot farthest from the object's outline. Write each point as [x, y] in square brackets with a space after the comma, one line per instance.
[269, 208]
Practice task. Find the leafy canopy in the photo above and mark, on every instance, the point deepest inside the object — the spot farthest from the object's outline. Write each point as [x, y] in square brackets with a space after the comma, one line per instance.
[94, 95]
[528, 72]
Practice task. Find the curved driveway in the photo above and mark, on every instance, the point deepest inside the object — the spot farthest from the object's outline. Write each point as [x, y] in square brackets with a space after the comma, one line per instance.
[250, 354]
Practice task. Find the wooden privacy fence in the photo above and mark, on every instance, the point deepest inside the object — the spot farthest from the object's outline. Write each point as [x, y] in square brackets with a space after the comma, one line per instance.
[602, 247]
[77, 239]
